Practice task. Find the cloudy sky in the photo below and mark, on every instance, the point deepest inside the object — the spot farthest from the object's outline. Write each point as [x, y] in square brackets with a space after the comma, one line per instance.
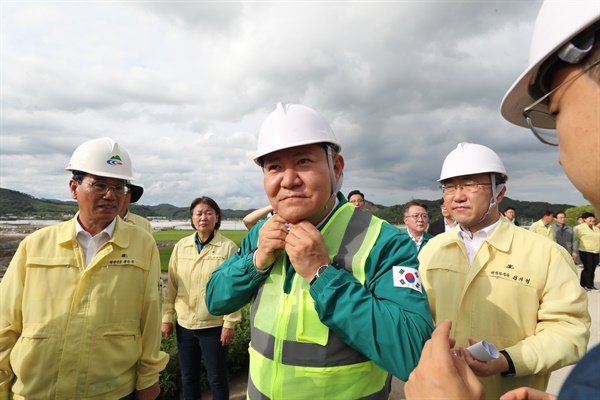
[185, 85]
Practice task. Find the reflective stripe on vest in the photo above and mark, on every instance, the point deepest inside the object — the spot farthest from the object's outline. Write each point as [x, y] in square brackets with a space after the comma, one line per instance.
[254, 394]
[289, 343]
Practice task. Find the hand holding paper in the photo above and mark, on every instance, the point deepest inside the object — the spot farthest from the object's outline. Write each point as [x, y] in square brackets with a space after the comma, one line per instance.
[483, 351]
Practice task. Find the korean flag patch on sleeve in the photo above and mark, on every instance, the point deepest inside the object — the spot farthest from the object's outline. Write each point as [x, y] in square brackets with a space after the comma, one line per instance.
[408, 278]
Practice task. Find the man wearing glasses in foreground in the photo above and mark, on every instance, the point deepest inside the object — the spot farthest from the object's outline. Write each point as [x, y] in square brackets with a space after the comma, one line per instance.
[79, 304]
[499, 283]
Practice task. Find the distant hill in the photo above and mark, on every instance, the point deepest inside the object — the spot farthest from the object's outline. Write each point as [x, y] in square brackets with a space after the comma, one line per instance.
[15, 204]
[527, 211]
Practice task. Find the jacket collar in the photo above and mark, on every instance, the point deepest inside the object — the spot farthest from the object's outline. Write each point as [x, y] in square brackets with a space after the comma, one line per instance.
[120, 236]
[216, 241]
[500, 239]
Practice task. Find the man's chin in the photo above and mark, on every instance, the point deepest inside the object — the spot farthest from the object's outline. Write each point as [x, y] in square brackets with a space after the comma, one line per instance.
[293, 215]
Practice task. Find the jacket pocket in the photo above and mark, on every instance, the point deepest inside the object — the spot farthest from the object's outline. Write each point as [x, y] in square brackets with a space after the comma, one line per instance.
[310, 329]
[114, 354]
[34, 360]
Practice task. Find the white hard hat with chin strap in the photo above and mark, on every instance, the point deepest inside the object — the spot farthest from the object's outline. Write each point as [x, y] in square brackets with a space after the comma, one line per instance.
[473, 159]
[564, 30]
[293, 125]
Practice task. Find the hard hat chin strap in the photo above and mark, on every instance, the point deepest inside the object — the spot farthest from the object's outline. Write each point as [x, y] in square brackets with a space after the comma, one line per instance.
[335, 187]
[493, 201]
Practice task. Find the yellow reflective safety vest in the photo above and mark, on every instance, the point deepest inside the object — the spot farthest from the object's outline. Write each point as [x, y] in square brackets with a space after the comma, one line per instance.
[295, 356]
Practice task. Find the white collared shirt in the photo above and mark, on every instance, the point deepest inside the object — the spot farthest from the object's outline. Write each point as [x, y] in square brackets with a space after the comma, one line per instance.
[90, 244]
[448, 227]
[417, 242]
[473, 244]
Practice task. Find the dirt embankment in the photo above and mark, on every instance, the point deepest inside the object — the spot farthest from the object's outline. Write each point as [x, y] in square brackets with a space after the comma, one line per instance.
[9, 241]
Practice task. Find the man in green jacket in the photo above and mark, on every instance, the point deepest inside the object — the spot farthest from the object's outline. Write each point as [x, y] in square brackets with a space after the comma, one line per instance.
[337, 299]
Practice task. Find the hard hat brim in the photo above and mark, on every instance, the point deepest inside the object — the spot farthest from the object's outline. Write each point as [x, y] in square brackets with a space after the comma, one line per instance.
[519, 96]
[136, 192]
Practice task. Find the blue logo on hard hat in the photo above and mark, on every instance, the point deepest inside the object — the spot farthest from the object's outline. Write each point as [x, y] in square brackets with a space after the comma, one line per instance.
[115, 160]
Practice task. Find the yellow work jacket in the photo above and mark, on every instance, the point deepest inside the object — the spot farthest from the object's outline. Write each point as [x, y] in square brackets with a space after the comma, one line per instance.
[137, 220]
[588, 238]
[294, 355]
[539, 228]
[189, 271]
[71, 332]
[521, 293]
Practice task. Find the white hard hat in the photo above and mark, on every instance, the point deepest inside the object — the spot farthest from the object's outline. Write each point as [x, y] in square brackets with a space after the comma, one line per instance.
[471, 159]
[292, 125]
[102, 157]
[557, 23]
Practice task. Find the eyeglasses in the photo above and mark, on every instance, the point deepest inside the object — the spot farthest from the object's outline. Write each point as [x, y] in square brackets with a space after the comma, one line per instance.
[469, 187]
[543, 124]
[357, 201]
[416, 217]
[101, 188]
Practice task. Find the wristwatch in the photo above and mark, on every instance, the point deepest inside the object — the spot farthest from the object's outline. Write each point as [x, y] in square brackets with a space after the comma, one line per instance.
[318, 273]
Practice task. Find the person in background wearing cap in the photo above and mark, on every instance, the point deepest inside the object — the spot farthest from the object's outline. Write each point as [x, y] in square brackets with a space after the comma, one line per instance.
[337, 301]
[357, 199]
[133, 195]
[80, 301]
[499, 283]
[544, 225]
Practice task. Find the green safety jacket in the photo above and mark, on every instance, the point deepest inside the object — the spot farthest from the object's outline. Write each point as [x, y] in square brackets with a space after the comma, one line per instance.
[295, 355]
[341, 336]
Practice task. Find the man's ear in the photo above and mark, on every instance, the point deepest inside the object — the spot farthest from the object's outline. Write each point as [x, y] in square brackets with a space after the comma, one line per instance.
[338, 166]
[501, 196]
[73, 188]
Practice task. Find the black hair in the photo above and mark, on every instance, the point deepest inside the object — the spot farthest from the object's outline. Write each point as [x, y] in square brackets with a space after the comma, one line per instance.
[546, 213]
[209, 202]
[358, 192]
[411, 203]
[78, 176]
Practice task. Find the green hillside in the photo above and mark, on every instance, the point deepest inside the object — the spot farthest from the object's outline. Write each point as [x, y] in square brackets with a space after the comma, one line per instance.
[15, 204]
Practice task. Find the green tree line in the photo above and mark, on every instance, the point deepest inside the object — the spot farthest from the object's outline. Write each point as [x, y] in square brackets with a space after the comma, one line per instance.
[15, 204]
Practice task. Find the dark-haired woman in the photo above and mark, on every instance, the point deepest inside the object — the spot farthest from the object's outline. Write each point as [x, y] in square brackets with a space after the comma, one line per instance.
[200, 335]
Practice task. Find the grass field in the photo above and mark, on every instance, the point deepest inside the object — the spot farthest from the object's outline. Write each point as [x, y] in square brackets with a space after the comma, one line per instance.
[176, 235]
